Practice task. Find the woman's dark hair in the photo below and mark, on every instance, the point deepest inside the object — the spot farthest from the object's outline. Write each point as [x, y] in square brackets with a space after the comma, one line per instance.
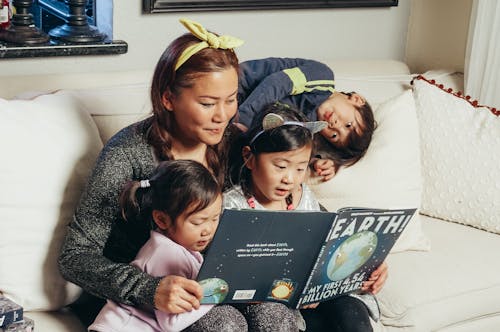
[278, 139]
[355, 146]
[175, 186]
[167, 79]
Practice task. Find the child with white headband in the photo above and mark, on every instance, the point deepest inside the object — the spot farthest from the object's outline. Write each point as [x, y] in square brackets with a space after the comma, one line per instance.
[268, 167]
[269, 162]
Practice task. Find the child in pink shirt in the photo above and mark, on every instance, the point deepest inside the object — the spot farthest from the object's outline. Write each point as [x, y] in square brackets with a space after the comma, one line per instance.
[182, 201]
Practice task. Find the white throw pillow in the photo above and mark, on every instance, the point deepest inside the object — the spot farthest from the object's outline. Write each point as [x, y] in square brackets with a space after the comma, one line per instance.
[48, 146]
[460, 157]
[388, 176]
[112, 107]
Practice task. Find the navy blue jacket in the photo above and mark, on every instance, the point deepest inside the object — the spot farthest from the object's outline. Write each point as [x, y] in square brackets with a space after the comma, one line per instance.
[302, 83]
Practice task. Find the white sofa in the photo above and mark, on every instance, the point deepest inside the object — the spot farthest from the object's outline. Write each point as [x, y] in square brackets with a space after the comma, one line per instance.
[443, 274]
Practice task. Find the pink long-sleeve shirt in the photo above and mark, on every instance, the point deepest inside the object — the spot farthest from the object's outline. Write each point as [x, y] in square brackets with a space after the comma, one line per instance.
[160, 256]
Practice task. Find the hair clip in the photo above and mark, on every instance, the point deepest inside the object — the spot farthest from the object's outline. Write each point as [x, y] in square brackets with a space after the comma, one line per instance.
[145, 184]
[273, 120]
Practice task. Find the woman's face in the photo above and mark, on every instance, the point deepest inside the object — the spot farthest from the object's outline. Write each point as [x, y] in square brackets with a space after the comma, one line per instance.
[202, 112]
[342, 115]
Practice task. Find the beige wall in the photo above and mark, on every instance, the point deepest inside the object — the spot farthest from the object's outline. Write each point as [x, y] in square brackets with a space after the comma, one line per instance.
[358, 33]
[437, 34]
[427, 34]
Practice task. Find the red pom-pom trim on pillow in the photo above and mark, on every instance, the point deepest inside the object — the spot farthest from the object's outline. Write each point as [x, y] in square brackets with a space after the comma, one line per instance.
[458, 94]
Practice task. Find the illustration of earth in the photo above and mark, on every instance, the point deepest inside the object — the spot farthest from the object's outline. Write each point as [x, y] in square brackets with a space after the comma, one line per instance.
[214, 290]
[351, 255]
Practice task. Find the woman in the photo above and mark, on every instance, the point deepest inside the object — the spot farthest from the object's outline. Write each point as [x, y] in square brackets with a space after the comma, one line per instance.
[194, 96]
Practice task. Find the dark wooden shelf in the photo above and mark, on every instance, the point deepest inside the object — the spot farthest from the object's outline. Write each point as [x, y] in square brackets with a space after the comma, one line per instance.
[9, 51]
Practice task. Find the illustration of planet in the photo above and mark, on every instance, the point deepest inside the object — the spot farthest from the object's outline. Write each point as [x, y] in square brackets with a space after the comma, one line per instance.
[214, 290]
[351, 255]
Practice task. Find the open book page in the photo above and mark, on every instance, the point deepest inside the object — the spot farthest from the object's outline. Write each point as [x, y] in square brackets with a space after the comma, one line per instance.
[262, 255]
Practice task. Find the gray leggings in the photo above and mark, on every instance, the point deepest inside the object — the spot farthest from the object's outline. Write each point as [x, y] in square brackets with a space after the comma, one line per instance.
[223, 318]
[270, 317]
[262, 317]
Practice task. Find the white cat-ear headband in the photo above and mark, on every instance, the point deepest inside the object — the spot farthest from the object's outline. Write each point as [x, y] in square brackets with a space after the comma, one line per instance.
[273, 120]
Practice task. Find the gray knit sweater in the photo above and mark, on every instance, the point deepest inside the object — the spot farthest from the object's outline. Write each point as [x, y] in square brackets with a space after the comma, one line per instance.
[99, 243]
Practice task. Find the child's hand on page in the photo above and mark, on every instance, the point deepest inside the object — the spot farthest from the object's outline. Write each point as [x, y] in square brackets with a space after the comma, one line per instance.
[176, 295]
[376, 280]
[324, 168]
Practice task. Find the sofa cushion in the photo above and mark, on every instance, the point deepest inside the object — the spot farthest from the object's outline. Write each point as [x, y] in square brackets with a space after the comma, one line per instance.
[49, 145]
[388, 176]
[376, 80]
[112, 107]
[56, 321]
[460, 157]
[456, 283]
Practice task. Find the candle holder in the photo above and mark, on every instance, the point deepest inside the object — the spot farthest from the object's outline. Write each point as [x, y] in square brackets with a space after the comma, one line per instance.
[76, 30]
[22, 29]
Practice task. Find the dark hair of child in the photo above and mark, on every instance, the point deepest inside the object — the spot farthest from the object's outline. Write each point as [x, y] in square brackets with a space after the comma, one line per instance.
[167, 79]
[279, 139]
[176, 187]
[356, 145]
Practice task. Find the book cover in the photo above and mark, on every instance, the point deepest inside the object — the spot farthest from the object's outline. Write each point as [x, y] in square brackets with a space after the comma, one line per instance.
[284, 256]
[25, 325]
[358, 242]
[10, 312]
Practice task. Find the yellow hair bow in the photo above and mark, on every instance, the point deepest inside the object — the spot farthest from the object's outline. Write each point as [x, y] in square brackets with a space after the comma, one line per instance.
[208, 39]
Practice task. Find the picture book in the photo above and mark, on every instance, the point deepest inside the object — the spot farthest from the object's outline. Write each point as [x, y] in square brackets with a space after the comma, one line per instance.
[25, 325]
[10, 312]
[296, 257]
